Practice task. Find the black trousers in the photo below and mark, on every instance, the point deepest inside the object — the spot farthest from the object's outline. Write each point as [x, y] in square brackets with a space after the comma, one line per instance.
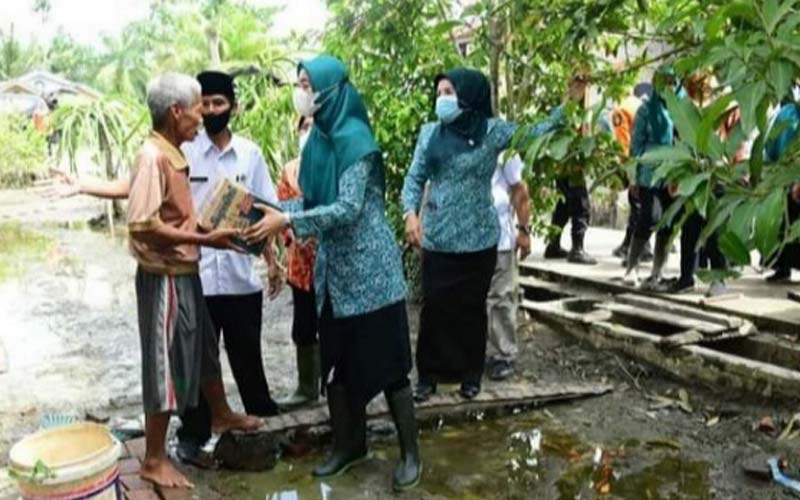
[691, 259]
[574, 205]
[790, 256]
[238, 318]
[654, 202]
[633, 216]
[304, 322]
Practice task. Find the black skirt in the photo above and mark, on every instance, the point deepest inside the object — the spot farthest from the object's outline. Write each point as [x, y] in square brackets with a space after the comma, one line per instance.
[452, 335]
[304, 319]
[366, 353]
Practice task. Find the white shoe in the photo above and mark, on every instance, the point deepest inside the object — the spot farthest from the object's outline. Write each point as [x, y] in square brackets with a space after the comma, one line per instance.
[631, 279]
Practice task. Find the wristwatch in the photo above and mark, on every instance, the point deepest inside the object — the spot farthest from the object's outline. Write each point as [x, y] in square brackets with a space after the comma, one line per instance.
[525, 228]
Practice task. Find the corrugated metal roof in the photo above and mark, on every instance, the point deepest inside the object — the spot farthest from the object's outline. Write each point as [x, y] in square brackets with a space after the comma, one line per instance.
[44, 84]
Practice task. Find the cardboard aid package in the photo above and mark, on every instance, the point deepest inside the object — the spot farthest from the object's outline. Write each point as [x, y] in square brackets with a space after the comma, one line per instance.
[231, 206]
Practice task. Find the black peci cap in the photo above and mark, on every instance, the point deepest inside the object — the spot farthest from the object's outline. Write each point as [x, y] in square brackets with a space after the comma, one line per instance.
[217, 82]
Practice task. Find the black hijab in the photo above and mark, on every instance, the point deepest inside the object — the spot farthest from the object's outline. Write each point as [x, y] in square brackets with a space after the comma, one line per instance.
[468, 130]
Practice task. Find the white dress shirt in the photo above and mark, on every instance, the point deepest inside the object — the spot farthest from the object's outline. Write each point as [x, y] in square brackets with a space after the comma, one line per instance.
[225, 272]
[505, 176]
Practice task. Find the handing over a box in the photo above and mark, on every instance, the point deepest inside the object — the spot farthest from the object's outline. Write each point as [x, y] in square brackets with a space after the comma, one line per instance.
[230, 206]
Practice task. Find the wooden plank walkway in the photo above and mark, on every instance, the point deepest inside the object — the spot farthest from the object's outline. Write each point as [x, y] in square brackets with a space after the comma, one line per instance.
[257, 450]
[451, 405]
[494, 400]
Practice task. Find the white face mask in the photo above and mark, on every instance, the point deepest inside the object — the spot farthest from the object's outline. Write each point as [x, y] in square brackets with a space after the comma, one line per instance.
[304, 102]
[303, 140]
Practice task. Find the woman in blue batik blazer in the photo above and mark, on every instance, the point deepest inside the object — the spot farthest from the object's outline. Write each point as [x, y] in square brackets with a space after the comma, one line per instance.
[458, 156]
[358, 278]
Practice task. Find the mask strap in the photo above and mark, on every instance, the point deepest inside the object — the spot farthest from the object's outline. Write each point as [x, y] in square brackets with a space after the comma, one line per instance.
[325, 94]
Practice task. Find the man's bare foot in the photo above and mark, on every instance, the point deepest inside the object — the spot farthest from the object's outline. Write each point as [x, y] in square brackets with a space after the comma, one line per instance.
[236, 422]
[161, 472]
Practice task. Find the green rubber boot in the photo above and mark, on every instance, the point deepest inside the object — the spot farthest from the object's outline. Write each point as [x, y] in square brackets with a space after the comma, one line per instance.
[307, 391]
[349, 435]
[409, 470]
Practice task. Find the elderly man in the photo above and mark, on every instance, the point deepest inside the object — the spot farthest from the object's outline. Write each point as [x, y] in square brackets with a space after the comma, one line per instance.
[179, 349]
[231, 286]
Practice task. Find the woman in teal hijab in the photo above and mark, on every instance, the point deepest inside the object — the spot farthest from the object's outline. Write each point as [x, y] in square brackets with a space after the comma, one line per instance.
[358, 275]
[457, 155]
[652, 128]
[783, 131]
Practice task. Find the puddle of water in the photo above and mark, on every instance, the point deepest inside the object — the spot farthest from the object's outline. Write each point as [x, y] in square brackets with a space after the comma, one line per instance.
[70, 328]
[69, 321]
[20, 248]
[487, 460]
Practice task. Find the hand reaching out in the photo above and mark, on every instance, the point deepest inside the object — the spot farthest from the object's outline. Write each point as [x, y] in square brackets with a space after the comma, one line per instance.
[271, 224]
[221, 239]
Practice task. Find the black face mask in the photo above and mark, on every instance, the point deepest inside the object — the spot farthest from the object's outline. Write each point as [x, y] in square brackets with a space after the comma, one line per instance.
[214, 124]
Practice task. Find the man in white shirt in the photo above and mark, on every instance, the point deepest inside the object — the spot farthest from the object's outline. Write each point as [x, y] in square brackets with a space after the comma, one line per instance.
[231, 286]
[510, 197]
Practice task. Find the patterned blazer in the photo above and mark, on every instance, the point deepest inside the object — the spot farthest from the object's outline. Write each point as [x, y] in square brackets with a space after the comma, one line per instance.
[358, 265]
[460, 216]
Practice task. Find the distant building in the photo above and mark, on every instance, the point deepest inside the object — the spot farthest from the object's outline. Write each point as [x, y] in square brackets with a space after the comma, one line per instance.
[27, 104]
[38, 91]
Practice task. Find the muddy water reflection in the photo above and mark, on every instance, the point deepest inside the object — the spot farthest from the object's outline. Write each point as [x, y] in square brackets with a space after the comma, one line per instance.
[487, 460]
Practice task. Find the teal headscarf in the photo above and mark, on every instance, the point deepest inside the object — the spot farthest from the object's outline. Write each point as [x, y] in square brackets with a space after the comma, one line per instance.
[341, 134]
[788, 121]
[660, 129]
[661, 126]
[468, 130]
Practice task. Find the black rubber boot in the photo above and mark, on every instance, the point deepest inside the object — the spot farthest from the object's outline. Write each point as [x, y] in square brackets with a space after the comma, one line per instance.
[425, 389]
[621, 251]
[678, 287]
[307, 378]
[781, 275]
[554, 251]
[469, 389]
[578, 255]
[409, 470]
[349, 435]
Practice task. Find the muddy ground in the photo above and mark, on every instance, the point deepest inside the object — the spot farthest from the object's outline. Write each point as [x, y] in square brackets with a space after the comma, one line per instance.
[69, 327]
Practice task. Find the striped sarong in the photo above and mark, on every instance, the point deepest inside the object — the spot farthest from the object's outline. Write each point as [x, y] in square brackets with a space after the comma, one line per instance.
[179, 350]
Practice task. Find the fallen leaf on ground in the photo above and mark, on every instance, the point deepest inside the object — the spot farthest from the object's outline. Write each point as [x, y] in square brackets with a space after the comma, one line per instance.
[664, 443]
[766, 425]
